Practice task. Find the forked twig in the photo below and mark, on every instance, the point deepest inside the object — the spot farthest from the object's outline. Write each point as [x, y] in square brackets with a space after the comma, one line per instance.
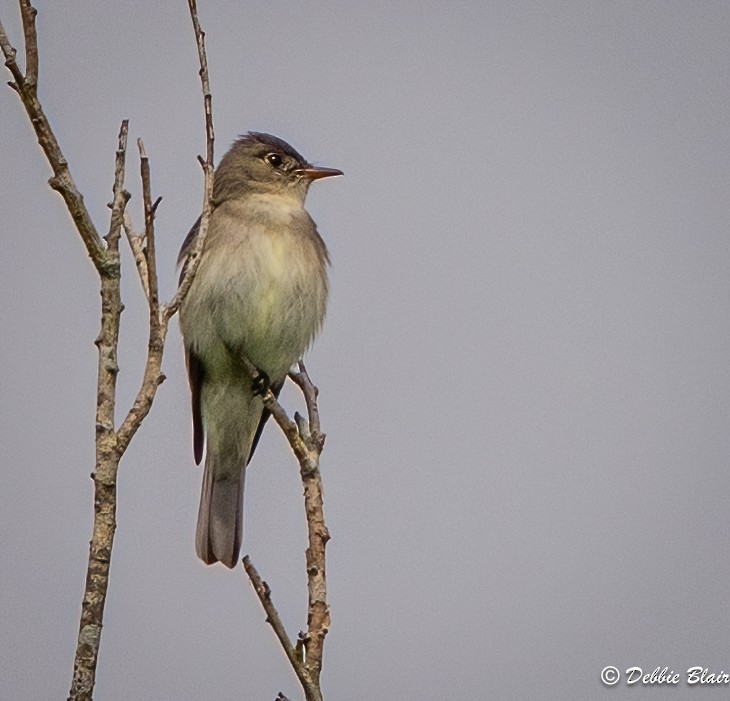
[104, 253]
[307, 442]
[304, 436]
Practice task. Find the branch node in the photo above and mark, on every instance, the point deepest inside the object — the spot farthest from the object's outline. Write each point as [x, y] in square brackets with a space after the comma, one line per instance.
[302, 426]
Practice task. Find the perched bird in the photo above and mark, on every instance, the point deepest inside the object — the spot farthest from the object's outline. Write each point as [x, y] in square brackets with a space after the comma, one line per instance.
[259, 294]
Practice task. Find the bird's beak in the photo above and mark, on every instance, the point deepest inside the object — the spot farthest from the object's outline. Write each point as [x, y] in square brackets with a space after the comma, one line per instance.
[317, 172]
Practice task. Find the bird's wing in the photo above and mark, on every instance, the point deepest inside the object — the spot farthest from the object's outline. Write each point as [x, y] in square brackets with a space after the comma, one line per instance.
[276, 389]
[195, 367]
[195, 377]
[187, 246]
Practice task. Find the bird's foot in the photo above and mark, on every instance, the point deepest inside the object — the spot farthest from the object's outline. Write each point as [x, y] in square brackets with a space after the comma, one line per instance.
[261, 383]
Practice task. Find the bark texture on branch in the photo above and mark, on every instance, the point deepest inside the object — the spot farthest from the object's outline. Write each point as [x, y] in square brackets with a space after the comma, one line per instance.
[304, 435]
[110, 443]
[307, 442]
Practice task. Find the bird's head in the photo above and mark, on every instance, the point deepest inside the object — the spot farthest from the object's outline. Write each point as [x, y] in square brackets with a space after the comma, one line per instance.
[262, 163]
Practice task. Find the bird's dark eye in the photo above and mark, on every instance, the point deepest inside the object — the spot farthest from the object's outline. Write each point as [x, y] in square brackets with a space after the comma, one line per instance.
[274, 159]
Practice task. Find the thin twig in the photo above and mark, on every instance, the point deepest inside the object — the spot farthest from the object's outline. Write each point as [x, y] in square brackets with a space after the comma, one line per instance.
[205, 81]
[149, 233]
[28, 13]
[306, 441]
[61, 181]
[158, 323]
[310, 393]
[193, 259]
[153, 376]
[121, 196]
[272, 615]
[138, 252]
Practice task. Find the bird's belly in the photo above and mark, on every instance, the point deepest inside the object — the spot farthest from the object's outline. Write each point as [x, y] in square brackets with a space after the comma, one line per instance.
[271, 310]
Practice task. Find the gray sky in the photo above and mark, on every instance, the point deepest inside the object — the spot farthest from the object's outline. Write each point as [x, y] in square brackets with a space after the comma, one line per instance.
[524, 372]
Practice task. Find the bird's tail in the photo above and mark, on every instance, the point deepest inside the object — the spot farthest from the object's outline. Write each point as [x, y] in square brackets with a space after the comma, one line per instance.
[230, 417]
[220, 517]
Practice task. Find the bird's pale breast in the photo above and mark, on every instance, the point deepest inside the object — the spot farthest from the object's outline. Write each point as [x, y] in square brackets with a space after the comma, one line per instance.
[264, 300]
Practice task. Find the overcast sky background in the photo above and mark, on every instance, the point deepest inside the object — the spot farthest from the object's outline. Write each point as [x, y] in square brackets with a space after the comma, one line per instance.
[524, 371]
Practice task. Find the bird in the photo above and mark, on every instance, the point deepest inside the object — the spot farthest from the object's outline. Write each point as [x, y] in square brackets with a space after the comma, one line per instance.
[259, 296]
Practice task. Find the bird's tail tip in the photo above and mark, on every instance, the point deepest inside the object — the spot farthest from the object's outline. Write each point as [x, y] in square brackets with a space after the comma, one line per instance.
[220, 518]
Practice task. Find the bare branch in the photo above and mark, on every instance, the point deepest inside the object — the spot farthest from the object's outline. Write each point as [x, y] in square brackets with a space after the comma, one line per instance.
[158, 323]
[304, 436]
[318, 618]
[28, 13]
[205, 81]
[272, 617]
[120, 195]
[10, 53]
[153, 378]
[310, 393]
[306, 441]
[149, 232]
[193, 259]
[61, 181]
[138, 252]
[107, 450]
[160, 315]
